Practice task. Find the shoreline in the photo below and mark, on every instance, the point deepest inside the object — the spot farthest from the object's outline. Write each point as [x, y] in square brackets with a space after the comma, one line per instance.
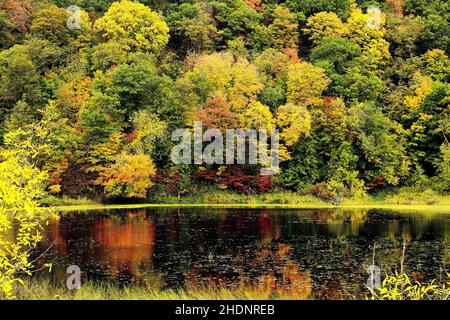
[434, 208]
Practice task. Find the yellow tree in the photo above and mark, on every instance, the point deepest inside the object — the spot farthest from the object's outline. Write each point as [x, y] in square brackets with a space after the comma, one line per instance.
[219, 76]
[305, 83]
[51, 23]
[370, 37]
[284, 29]
[22, 186]
[129, 176]
[324, 24]
[293, 121]
[134, 25]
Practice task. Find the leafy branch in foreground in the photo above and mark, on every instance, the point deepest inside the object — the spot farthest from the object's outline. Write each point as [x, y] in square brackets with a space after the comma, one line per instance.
[22, 185]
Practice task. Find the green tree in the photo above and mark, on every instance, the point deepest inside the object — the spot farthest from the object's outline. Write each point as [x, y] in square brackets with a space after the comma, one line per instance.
[192, 27]
[19, 79]
[380, 144]
[343, 174]
[309, 7]
[50, 23]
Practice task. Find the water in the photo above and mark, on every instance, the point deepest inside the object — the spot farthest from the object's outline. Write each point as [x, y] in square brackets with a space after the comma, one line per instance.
[313, 254]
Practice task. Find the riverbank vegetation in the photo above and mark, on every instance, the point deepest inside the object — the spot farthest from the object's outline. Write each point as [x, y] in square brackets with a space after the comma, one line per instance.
[400, 197]
[400, 286]
[394, 287]
[44, 289]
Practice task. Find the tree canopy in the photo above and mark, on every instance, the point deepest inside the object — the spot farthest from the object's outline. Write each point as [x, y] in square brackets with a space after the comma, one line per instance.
[360, 95]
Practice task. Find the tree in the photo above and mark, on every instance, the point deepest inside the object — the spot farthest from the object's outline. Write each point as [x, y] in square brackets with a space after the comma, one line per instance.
[305, 83]
[129, 176]
[103, 154]
[100, 117]
[343, 174]
[283, 31]
[219, 75]
[217, 115]
[22, 188]
[424, 129]
[403, 33]
[107, 55]
[336, 55]
[135, 26]
[19, 12]
[324, 24]
[19, 79]
[374, 48]
[234, 18]
[293, 121]
[309, 7]
[50, 23]
[435, 34]
[147, 130]
[192, 27]
[380, 144]
[136, 84]
[6, 35]
[312, 153]
[435, 64]
[304, 168]
[273, 67]
[444, 168]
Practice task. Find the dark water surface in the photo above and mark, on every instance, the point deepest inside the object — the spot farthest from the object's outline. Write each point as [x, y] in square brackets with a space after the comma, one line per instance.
[315, 254]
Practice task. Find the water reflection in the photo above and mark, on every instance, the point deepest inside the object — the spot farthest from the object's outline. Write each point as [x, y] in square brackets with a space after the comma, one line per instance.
[320, 254]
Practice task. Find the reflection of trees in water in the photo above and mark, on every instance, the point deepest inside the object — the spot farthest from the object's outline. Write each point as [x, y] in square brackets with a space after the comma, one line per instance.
[297, 254]
[238, 250]
[120, 245]
[271, 273]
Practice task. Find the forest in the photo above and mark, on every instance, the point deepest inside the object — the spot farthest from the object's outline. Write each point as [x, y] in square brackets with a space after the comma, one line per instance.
[91, 91]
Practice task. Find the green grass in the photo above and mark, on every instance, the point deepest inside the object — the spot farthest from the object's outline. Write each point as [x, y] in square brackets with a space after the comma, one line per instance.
[66, 201]
[402, 199]
[44, 289]
[407, 196]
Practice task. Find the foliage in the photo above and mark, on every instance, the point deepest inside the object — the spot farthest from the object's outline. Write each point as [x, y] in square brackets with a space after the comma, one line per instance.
[361, 107]
[135, 26]
[401, 287]
[129, 176]
[324, 24]
[305, 83]
[283, 31]
[22, 187]
[192, 27]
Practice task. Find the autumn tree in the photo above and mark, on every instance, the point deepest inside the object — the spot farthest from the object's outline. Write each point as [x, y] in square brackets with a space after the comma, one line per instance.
[192, 27]
[324, 24]
[22, 188]
[305, 83]
[135, 26]
[129, 176]
[283, 31]
[50, 23]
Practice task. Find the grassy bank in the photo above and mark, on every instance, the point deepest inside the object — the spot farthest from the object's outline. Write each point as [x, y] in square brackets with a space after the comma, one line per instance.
[401, 200]
[396, 286]
[46, 290]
